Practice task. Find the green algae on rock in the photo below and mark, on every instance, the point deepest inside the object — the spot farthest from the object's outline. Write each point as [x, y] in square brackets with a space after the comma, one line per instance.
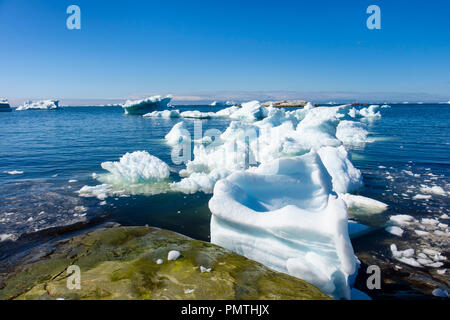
[121, 263]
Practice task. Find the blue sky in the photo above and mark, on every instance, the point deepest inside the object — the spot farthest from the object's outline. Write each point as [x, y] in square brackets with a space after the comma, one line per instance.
[131, 48]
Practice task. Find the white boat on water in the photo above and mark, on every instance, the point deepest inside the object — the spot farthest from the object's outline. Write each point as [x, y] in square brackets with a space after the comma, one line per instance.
[146, 105]
[4, 106]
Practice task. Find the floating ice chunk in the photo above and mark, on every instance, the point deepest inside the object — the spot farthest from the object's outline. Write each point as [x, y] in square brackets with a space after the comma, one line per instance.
[370, 112]
[345, 177]
[405, 256]
[402, 219]
[421, 232]
[362, 205]
[438, 292]
[39, 105]
[395, 231]
[433, 190]
[441, 271]
[429, 221]
[6, 236]
[178, 134]
[136, 167]
[421, 197]
[351, 133]
[167, 114]
[159, 261]
[72, 181]
[285, 216]
[173, 255]
[444, 216]
[199, 182]
[100, 191]
[14, 172]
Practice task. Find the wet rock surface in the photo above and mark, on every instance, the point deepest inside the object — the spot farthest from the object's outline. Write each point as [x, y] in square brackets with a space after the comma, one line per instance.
[125, 263]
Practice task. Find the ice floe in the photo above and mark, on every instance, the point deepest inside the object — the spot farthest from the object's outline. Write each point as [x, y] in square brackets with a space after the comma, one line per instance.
[395, 230]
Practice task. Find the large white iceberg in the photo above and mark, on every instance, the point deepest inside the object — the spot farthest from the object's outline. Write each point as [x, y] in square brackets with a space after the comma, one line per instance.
[285, 215]
[39, 105]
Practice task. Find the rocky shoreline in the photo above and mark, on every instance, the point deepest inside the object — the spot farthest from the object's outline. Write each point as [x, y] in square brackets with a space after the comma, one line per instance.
[119, 262]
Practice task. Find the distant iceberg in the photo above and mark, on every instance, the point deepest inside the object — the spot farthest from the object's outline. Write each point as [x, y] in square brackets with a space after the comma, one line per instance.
[4, 106]
[146, 105]
[40, 105]
[221, 103]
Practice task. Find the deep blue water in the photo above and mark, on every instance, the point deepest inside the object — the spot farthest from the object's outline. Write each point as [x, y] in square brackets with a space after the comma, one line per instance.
[53, 147]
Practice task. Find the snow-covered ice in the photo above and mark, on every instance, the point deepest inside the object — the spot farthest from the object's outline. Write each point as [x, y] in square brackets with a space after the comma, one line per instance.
[289, 221]
[136, 167]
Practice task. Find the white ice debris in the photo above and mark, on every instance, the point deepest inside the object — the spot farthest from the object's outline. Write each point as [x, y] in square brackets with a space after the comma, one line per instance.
[163, 114]
[405, 256]
[137, 167]
[173, 255]
[159, 261]
[14, 172]
[39, 105]
[421, 232]
[188, 291]
[421, 197]
[6, 236]
[72, 181]
[368, 112]
[100, 191]
[402, 219]
[433, 190]
[395, 230]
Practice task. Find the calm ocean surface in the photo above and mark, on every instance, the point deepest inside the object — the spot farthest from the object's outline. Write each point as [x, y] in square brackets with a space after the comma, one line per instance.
[411, 148]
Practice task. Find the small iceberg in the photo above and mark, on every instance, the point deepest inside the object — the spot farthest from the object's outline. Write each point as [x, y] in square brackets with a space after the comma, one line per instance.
[146, 105]
[136, 167]
[40, 105]
[4, 106]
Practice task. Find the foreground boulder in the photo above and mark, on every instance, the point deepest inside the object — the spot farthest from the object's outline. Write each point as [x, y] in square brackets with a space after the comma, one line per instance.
[132, 263]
